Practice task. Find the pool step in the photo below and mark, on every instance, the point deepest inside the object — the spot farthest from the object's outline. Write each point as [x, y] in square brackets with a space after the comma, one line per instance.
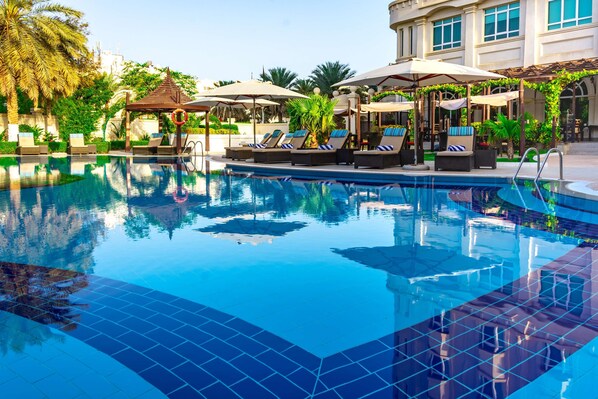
[585, 148]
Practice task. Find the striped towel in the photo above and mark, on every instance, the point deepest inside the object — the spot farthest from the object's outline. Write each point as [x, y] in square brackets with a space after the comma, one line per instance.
[259, 145]
[456, 148]
[287, 146]
[325, 147]
[385, 148]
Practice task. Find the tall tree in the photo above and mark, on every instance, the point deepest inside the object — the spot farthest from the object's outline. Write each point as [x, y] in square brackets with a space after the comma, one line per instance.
[43, 52]
[304, 86]
[329, 73]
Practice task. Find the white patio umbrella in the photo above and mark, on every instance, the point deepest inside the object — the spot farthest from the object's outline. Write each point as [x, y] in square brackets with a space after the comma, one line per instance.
[252, 90]
[416, 73]
[227, 102]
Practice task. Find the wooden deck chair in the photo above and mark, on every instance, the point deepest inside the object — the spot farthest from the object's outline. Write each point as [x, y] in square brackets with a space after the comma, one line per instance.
[325, 153]
[388, 152]
[459, 154]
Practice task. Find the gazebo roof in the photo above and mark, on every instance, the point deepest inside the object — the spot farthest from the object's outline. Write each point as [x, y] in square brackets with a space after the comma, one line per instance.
[547, 71]
[167, 97]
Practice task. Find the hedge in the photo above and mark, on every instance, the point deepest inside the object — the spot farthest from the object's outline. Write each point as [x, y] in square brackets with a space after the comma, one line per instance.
[57, 146]
[201, 130]
[8, 147]
[120, 144]
[8, 161]
[102, 147]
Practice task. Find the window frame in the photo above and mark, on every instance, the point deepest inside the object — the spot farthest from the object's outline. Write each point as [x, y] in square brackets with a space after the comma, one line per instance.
[443, 24]
[495, 11]
[562, 22]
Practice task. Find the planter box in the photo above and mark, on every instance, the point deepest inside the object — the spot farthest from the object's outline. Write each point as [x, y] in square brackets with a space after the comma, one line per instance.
[485, 158]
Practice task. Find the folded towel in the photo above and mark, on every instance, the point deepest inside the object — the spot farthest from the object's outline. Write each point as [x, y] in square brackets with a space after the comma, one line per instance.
[325, 147]
[287, 146]
[385, 148]
[259, 145]
[456, 148]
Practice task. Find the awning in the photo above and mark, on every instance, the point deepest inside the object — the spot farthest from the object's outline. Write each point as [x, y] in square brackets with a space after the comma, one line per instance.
[388, 107]
[494, 100]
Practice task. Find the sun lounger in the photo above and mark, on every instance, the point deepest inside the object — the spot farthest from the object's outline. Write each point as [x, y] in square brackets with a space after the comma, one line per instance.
[271, 155]
[322, 155]
[27, 145]
[151, 148]
[392, 137]
[461, 138]
[171, 149]
[77, 145]
[242, 153]
[228, 150]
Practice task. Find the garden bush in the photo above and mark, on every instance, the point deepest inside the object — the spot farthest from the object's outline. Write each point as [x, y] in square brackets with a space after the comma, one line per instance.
[8, 147]
[119, 145]
[57, 146]
[201, 130]
[103, 147]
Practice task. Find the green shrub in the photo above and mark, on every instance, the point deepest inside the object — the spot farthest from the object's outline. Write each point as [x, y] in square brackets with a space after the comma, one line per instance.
[119, 145]
[57, 146]
[37, 131]
[8, 161]
[103, 147]
[8, 147]
[102, 160]
[201, 130]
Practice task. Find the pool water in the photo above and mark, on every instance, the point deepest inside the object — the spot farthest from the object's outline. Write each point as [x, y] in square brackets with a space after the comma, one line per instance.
[158, 280]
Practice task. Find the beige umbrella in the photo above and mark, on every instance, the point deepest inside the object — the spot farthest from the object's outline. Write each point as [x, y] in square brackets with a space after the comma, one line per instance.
[417, 73]
[227, 102]
[252, 90]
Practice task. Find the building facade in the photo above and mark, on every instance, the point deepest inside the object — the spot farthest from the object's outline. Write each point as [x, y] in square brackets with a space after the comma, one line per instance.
[496, 34]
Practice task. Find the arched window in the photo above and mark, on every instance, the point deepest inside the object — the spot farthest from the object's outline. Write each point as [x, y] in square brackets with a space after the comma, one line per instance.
[581, 90]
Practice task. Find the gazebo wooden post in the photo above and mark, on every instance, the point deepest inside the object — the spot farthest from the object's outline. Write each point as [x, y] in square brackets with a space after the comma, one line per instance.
[358, 119]
[573, 110]
[179, 131]
[207, 131]
[468, 105]
[521, 113]
[554, 126]
[127, 124]
[433, 120]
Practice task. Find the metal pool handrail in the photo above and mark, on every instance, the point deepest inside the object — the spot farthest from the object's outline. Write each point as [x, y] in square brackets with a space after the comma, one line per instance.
[546, 160]
[524, 157]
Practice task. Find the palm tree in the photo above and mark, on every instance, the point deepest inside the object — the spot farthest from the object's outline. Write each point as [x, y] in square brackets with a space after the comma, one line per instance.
[329, 73]
[42, 52]
[304, 86]
[504, 129]
[282, 77]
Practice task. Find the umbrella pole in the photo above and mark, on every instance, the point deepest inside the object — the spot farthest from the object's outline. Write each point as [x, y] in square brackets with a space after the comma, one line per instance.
[230, 111]
[416, 165]
[254, 128]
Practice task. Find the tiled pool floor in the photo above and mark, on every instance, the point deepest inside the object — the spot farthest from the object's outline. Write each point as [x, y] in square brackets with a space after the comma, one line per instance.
[489, 347]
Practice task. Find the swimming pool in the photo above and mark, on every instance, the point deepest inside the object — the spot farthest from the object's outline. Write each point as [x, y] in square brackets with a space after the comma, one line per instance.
[135, 279]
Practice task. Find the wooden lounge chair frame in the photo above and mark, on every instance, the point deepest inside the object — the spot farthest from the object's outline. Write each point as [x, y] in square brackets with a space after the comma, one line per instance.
[243, 153]
[27, 145]
[394, 136]
[228, 150]
[77, 145]
[273, 155]
[457, 160]
[338, 139]
[151, 148]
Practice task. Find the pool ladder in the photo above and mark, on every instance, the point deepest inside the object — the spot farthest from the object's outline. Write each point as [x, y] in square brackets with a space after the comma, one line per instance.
[539, 167]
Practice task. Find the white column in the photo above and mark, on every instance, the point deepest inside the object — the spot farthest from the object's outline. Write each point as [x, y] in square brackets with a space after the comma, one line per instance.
[352, 97]
[469, 36]
[533, 22]
[421, 37]
[13, 132]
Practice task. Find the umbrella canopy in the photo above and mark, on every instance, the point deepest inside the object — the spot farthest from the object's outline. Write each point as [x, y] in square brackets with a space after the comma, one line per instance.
[388, 107]
[252, 90]
[494, 100]
[252, 231]
[416, 73]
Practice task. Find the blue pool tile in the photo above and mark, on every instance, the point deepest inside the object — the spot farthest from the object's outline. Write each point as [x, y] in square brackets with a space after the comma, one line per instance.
[110, 328]
[251, 367]
[389, 393]
[137, 310]
[219, 391]
[343, 374]
[111, 314]
[215, 315]
[136, 324]
[89, 318]
[361, 387]
[185, 392]
[243, 327]
[329, 395]
[278, 362]
[56, 387]
[194, 375]
[94, 386]
[221, 349]
[113, 303]
[106, 344]
[190, 318]
[218, 330]
[302, 357]
[193, 353]
[284, 388]
[162, 307]
[164, 356]
[83, 333]
[162, 379]
[333, 362]
[134, 360]
[382, 360]
[165, 337]
[365, 350]
[304, 379]
[186, 304]
[223, 371]
[247, 345]
[19, 388]
[248, 388]
[272, 341]
[30, 370]
[137, 298]
[160, 296]
[165, 322]
[193, 334]
[137, 341]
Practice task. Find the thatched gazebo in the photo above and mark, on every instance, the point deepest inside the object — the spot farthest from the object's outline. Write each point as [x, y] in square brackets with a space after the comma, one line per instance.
[166, 98]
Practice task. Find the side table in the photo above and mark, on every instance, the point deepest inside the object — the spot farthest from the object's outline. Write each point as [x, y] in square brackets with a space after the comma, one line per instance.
[485, 158]
[345, 155]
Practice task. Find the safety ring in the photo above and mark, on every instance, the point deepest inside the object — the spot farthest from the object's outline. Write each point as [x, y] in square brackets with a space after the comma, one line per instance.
[174, 114]
[182, 198]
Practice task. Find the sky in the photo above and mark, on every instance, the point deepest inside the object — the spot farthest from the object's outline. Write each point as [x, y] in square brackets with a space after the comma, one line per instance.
[231, 39]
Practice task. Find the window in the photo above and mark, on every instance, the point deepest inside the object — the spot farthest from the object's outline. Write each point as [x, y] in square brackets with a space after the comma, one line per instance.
[447, 33]
[501, 22]
[401, 42]
[567, 13]
[411, 38]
